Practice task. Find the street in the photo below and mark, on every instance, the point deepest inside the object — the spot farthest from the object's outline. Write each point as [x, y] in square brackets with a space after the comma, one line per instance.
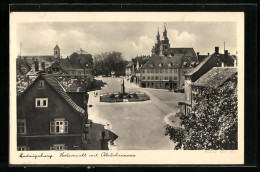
[139, 125]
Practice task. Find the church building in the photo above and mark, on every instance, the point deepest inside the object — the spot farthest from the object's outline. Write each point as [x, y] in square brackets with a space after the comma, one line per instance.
[166, 66]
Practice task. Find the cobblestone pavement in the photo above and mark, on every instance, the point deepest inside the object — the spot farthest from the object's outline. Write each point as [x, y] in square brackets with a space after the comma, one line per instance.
[139, 125]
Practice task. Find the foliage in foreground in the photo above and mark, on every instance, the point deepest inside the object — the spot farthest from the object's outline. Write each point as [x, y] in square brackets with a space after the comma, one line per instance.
[213, 125]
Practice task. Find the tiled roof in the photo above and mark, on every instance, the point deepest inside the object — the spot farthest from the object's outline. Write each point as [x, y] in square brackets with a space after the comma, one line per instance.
[61, 91]
[215, 77]
[22, 66]
[228, 59]
[184, 51]
[65, 64]
[199, 66]
[47, 58]
[202, 57]
[175, 58]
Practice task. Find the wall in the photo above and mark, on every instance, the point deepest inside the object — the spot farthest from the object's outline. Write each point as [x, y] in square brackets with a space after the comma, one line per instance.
[38, 119]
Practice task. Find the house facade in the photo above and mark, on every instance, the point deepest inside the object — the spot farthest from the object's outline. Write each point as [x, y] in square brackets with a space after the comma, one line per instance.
[48, 118]
[214, 78]
[128, 69]
[215, 59]
[166, 66]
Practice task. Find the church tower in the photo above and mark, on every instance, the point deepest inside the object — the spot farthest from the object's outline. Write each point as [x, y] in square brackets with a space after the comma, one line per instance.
[156, 47]
[56, 52]
[165, 41]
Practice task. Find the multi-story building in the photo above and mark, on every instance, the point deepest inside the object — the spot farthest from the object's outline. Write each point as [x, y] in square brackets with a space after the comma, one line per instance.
[214, 78]
[48, 118]
[166, 66]
[213, 60]
[51, 118]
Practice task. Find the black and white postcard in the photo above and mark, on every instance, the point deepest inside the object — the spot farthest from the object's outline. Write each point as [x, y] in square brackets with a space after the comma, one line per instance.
[126, 88]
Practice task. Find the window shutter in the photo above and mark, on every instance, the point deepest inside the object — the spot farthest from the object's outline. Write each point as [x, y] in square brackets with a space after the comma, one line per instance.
[52, 127]
[66, 126]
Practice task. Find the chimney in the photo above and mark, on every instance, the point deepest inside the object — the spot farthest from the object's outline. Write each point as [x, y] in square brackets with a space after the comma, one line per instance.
[217, 50]
[226, 52]
[198, 53]
[208, 54]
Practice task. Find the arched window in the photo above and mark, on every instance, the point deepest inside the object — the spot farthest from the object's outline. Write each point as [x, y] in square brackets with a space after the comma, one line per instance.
[170, 64]
[160, 64]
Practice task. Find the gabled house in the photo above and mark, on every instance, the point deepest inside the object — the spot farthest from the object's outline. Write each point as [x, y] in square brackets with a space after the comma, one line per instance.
[48, 118]
[214, 78]
[213, 60]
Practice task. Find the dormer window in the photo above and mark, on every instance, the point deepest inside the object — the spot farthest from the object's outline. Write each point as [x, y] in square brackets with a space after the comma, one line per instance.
[170, 64]
[160, 64]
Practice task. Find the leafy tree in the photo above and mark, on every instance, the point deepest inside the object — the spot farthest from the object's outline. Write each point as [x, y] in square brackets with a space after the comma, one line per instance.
[213, 125]
[107, 62]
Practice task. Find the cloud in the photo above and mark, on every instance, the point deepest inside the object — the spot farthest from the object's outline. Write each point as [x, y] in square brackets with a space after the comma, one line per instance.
[181, 39]
[130, 38]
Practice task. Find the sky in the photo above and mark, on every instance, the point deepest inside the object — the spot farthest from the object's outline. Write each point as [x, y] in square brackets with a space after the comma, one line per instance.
[130, 38]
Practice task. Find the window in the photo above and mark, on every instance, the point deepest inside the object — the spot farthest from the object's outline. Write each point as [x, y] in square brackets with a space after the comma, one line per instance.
[58, 147]
[58, 126]
[148, 70]
[160, 64]
[41, 84]
[156, 78]
[156, 70]
[166, 77]
[143, 70]
[188, 110]
[161, 70]
[166, 70]
[175, 70]
[170, 70]
[170, 77]
[43, 65]
[148, 78]
[175, 78]
[143, 77]
[22, 148]
[21, 126]
[161, 78]
[170, 64]
[151, 70]
[41, 102]
[152, 78]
